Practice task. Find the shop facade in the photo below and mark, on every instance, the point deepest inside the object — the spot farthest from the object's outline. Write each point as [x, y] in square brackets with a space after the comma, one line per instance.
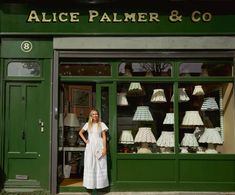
[161, 75]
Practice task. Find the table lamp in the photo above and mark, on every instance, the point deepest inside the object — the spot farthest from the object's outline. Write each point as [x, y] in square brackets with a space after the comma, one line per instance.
[144, 136]
[158, 96]
[121, 99]
[209, 104]
[72, 122]
[135, 89]
[169, 119]
[166, 141]
[212, 137]
[126, 139]
[189, 140]
[183, 97]
[192, 118]
[142, 113]
[198, 90]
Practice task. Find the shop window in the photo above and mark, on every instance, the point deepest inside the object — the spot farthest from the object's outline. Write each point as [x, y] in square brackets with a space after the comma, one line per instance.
[145, 117]
[82, 69]
[154, 68]
[23, 69]
[206, 121]
[205, 69]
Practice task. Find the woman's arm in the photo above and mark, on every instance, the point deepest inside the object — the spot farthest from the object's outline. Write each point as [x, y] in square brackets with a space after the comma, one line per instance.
[104, 149]
[81, 133]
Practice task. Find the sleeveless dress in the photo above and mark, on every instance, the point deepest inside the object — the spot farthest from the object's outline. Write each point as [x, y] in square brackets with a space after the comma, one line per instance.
[95, 174]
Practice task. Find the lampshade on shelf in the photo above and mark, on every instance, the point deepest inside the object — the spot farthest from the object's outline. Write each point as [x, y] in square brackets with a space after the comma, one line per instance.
[166, 139]
[158, 96]
[135, 89]
[192, 118]
[209, 104]
[183, 97]
[198, 90]
[121, 99]
[142, 113]
[71, 120]
[212, 137]
[126, 137]
[144, 136]
[189, 140]
[169, 119]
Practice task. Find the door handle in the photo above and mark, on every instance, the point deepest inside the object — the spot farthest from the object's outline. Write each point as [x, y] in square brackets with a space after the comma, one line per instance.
[41, 123]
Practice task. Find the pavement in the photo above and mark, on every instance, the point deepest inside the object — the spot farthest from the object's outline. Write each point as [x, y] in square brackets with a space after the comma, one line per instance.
[149, 193]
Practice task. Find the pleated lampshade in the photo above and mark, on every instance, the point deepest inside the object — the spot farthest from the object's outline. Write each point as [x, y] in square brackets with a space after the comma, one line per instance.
[166, 139]
[158, 96]
[71, 120]
[121, 99]
[169, 119]
[209, 104]
[142, 113]
[135, 89]
[145, 134]
[190, 140]
[183, 97]
[192, 118]
[211, 135]
[126, 137]
[198, 90]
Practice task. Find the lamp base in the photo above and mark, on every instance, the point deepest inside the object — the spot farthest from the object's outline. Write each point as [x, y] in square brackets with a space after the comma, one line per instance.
[184, 150]
[144, 150]
[211, 149]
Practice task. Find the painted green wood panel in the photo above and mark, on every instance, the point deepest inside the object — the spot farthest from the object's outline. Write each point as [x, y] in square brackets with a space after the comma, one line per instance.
[111, 21]
[146, 170]
[207, 170]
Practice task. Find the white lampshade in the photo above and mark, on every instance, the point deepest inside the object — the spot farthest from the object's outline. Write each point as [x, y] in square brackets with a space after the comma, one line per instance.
[71, 120]
[211, 135]
[183, 97]
[166, 139]
[121, 99]
[198, 91]
[158, 96]
[126, 137]
[145, 134]
[192, 118]
[169, 119]
[190, 140]
[209, 104]
[135, 89]
[142, 113]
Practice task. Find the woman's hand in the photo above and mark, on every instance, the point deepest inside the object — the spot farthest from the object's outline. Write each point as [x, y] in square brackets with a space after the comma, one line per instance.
[104, 152]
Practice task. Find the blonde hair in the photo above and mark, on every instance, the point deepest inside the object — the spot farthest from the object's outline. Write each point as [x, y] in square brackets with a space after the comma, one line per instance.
[90, 122]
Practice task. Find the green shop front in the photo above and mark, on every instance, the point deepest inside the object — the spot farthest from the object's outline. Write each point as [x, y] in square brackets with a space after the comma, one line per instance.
[161, 75]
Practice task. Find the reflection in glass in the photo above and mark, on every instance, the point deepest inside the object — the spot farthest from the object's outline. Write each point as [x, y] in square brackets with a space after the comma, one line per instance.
[154, 68]
[216, 68]
[23, 69]
[97, 69]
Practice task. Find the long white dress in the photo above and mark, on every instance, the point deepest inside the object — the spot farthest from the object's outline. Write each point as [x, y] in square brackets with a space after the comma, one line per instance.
[95, 170]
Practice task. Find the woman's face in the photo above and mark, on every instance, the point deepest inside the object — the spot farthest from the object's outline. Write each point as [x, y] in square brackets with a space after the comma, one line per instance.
[95, 116]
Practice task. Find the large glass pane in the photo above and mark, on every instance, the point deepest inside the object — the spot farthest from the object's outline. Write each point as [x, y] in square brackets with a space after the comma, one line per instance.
[145, 118]
[23, 69]
[215, 68]
[145, 68]
[206, 118]
[81, 69]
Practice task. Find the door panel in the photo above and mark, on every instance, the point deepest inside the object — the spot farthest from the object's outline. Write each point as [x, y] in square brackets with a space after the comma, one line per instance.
[24, 134]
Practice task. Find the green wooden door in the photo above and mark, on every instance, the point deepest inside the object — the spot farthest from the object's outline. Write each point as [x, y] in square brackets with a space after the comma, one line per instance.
[26, 135]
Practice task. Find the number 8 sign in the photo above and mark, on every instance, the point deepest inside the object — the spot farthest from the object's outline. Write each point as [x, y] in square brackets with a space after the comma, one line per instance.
[26, 46]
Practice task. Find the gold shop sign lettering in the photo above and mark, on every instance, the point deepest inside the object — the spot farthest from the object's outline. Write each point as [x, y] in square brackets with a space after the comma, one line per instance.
[96, 16]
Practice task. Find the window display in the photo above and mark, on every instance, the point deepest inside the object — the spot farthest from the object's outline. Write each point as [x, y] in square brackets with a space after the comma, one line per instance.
[204, 110]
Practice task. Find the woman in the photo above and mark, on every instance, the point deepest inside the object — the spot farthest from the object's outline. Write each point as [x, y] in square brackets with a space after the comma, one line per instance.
[95, 160]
